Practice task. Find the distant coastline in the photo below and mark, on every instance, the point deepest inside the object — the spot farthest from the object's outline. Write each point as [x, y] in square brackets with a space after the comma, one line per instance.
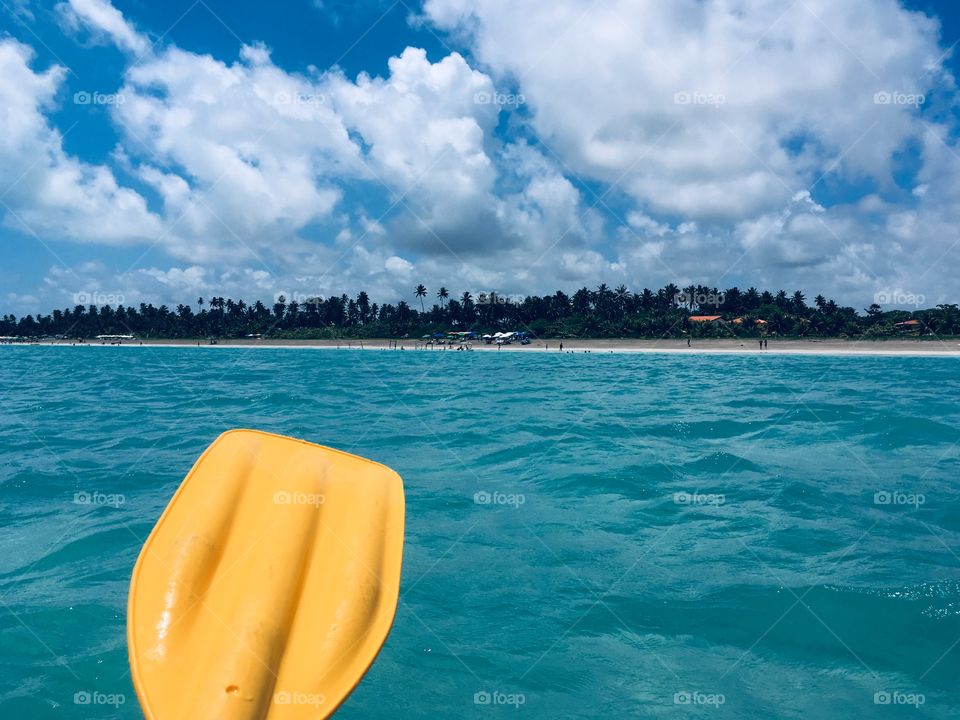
[695, 312]
[746, 346]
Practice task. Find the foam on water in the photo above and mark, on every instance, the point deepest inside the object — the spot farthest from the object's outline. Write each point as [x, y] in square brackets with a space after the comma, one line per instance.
[599, 536]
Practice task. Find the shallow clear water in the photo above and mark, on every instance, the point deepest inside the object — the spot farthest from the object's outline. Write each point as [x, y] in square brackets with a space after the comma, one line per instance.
[698, 535]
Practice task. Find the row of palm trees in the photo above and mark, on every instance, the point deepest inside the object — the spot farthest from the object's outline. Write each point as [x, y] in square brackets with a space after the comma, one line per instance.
[601, 312]
[442, 295]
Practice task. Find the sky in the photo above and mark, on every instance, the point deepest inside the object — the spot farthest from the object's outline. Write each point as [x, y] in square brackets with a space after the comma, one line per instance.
[161, 152]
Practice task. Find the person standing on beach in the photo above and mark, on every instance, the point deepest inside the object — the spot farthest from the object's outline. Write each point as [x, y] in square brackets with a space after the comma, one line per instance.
[765, 343]
[761, 343]
[561, 347]
[688, 342]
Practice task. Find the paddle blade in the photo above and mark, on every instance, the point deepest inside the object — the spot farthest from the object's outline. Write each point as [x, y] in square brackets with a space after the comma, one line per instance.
[269, 583]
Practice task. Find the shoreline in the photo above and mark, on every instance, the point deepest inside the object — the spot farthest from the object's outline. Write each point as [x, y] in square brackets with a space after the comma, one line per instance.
[862, 348]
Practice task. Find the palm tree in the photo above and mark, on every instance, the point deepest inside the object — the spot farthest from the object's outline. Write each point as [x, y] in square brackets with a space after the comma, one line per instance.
[581, 301]
[363, 307]
[668, 295]
[199, 304]
[798, 302]
[646, 299]
[443, 295]
[601, 300]
[467, 307]
[732, 300]
[622, 296]
[421, 292]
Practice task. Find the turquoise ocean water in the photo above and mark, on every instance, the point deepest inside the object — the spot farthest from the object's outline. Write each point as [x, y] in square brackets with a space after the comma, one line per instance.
[589, 536]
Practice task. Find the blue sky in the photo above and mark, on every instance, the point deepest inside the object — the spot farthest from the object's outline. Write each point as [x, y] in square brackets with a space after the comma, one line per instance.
[161, 151]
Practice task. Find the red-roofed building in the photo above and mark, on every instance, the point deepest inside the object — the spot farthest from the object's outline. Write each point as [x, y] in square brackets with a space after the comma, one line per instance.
[705, 318]
[908, 326]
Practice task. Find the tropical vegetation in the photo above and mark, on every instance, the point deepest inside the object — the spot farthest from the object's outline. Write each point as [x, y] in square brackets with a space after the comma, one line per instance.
[671, 311]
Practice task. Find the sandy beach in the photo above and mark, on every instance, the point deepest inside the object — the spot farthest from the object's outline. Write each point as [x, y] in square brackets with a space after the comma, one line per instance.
[897, 347]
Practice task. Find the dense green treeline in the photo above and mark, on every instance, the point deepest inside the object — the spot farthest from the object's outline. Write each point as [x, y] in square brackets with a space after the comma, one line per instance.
[603, 312]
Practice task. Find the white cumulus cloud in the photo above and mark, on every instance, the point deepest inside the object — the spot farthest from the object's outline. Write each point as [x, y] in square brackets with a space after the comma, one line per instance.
[752, 142]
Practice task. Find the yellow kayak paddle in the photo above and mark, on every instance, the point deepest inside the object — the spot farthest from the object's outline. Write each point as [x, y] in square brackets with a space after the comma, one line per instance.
[268, 585]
